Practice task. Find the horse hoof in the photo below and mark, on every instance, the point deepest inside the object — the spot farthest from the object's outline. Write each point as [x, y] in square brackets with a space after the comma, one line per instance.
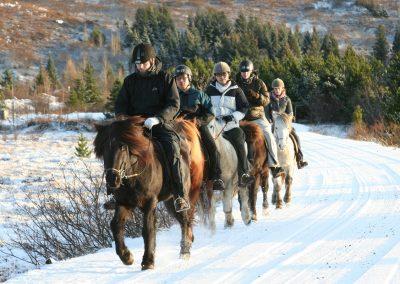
[147, 266]
[229, 224]
[265, 212]
[254, 217]
[127, 258]
[184, 256]
[287, 200]
[278, 206]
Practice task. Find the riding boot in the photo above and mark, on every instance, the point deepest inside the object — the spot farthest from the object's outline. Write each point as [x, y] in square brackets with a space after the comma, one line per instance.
[214, 159]
[299, 154]
[180, 202]
[236, 137]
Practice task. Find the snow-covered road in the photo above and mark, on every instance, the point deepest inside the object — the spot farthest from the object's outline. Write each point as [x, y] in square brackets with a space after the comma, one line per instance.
[342, 226]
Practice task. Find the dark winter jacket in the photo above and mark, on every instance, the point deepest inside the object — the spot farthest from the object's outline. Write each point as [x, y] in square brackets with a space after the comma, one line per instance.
[282, 105]
[195, 103]
[230, 102]
[256, 93]
[151, 94]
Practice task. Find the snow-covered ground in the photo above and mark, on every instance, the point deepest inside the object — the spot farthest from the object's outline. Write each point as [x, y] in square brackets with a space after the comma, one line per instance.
[342, 226]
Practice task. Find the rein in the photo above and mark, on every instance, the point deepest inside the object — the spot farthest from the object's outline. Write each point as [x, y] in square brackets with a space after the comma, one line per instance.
[121, 173]
[222, 130]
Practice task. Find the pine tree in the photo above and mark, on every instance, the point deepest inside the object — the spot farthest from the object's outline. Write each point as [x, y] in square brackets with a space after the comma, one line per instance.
[42, 82]
[381, 46]
[396, 41]
[77, 93]
[314, 48]
[7, 80]
[329, 45]
[92, 93]
[116, 87]
[306, 42]
[52, 72]
[82, 150]
[97, 37]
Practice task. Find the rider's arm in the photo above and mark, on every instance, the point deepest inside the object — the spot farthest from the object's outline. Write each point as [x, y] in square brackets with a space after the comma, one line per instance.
[289, 107]
[264, 95]
[242, 105]
[206, 114]
[122, 101]
[172, 102]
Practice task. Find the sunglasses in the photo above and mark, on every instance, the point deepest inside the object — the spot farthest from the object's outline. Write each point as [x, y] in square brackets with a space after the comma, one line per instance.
[224, 74]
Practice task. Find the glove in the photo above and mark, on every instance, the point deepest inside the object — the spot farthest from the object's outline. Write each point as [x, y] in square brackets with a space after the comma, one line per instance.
[228, 118]
[151, 121]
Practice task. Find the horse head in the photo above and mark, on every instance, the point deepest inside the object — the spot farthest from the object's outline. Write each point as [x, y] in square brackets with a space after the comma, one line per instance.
[120, 144]
[281, 127]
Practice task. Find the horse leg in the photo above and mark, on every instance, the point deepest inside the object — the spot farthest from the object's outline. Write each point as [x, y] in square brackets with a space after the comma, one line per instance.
[149, 235]
[288, 184]
[253, 197]
[245, 210]
[276, 196]
[227, 205]
[118, 230]
[265, 187]
[211, 214]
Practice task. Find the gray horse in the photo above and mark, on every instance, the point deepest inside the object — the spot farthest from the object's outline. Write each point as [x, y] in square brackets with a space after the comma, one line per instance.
[229, 167]
[282, 125]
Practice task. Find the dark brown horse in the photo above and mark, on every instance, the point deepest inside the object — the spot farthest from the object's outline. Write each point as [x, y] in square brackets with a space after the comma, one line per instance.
[258, 153]
[137, 174]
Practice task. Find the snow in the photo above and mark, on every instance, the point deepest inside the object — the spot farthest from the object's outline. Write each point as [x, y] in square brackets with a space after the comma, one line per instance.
[10, 5]
[342, 225]
[60, 22]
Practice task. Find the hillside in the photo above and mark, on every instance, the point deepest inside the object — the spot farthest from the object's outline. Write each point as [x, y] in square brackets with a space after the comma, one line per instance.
[30, 30]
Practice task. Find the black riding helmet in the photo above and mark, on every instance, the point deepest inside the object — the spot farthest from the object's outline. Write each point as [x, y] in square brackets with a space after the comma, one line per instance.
[246, 65]
[183, 69]
[142, 53]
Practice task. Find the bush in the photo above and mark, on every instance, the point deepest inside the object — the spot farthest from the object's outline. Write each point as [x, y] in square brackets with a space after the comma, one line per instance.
[68, 220]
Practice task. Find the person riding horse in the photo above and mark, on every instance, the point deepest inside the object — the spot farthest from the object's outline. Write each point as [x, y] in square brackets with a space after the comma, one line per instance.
[230, 105]
[281, 103]
[196, 104]
[152, 93]
[257, 94]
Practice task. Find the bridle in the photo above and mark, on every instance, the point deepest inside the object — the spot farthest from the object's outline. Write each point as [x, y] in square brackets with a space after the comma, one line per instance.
[121, 173]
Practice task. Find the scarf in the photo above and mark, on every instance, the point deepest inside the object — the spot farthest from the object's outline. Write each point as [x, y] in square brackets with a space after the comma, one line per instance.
[222, 88]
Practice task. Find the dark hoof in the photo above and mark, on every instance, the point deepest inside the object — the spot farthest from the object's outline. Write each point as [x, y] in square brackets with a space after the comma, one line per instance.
[265, 205]
[254, 217]
[229, 224]
[147, 266]
[127, 257]
[287, 199]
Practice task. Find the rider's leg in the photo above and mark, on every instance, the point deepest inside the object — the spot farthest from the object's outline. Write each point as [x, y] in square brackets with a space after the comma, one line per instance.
[170, 142]
[237, 138]
[214, 156]
[273, 161]
[299, 154]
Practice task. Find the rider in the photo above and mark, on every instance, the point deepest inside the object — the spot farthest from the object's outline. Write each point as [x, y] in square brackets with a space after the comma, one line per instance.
[230, 105]
[196, 104]
[152, 93]
[257, 94]
[282, 104]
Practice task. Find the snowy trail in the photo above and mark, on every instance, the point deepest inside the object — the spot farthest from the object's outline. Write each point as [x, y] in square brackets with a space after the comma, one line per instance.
[342, 226]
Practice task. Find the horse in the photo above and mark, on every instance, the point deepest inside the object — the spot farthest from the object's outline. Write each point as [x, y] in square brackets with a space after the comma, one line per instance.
[137, 175]
[229, 168]
[258, 157]
[282, 125]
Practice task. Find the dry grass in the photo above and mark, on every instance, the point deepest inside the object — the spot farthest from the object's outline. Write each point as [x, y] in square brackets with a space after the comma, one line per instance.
[387, 134]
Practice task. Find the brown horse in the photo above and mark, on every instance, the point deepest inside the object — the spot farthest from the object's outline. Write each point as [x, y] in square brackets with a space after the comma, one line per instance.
[258, 157]
[137, 175]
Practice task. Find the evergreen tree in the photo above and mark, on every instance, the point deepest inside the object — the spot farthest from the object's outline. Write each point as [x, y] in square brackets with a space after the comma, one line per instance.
[7, 80]
[314, 48]
[52, 72]
[329, 45]
[381, 46]
[97, 37]
[306, 42]
[202, 71]
[116, 87]
[393, 73]
[294, 44]
[42, 81]
[91, 93]
[82, 150]
[126, 34]
[76, 98]
[396, 40]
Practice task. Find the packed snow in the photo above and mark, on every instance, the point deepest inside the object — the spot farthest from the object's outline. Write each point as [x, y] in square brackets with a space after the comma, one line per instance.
[342, 225]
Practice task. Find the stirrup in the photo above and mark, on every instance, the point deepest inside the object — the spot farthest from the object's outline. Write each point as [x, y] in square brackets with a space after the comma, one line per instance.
[181, 204]
[218, 184]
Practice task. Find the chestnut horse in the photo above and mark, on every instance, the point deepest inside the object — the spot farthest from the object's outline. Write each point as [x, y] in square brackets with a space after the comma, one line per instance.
[137, 174]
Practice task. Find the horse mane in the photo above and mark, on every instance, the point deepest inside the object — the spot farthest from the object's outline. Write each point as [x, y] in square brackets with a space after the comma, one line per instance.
[254, 136]
[286, 119]
[128, 131]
